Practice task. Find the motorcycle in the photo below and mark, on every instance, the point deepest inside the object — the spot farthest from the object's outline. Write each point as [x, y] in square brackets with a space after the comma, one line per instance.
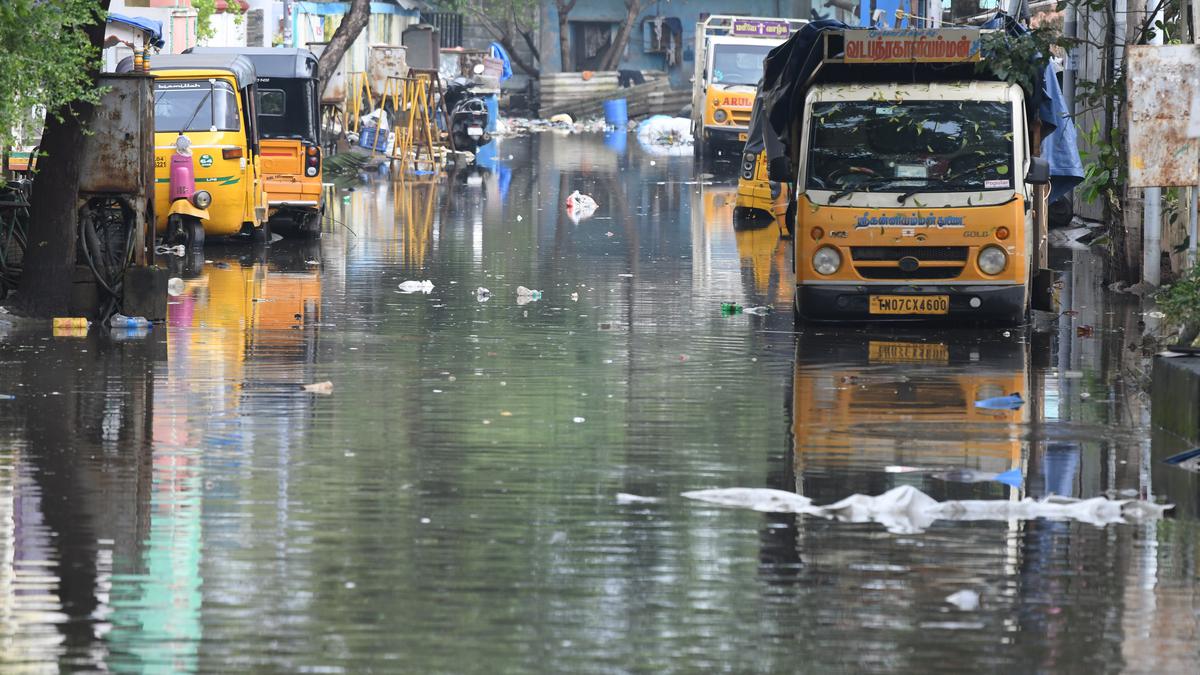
[468, 115]
[189, 206]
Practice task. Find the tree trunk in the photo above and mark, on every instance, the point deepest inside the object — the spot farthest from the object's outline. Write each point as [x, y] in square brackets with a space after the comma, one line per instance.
[347, 32]
[612, 58]
[564, 35]
[49, 265]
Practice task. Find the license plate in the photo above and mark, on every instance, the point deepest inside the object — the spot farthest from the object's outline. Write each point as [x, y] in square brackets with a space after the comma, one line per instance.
[907, 352]
[743, 136]
[474, 131]
[910, 304]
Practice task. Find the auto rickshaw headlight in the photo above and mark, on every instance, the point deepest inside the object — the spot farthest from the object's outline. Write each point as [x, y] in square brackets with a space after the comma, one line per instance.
[827, 260]
[719, 116]
[202, 199]
[992, 260]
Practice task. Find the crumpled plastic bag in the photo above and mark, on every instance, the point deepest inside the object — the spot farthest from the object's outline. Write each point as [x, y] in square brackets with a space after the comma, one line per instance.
[417, 286]
[580, 206]
[907, 510]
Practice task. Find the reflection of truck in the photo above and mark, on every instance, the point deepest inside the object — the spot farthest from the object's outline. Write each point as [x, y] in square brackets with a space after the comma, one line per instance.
[918, 194]
[729, 57]
[905, 400]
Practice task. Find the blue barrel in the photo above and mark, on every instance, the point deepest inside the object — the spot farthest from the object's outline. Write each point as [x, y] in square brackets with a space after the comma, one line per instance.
[615, 113]
[493, 108]
[617, 140]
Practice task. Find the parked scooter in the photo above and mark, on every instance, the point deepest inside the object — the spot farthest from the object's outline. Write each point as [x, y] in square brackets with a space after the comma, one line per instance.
[189, 206]
[468, 115]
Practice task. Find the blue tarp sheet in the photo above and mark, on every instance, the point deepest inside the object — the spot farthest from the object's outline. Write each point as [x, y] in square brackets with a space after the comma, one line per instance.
[788, 67]
[499, 53]
[150, 26]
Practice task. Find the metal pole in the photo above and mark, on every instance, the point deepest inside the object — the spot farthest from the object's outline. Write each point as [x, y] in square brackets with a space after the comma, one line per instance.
[1152, 197]
[1070, 30]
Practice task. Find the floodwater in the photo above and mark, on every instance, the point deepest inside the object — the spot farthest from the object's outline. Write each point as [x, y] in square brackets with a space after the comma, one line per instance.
[177, 503]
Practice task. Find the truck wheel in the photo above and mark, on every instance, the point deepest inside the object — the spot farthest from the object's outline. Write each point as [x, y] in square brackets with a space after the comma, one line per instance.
[311, 227]
[261, 235]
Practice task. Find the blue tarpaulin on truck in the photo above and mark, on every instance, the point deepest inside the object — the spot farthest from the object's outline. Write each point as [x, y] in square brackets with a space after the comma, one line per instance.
[788, 68]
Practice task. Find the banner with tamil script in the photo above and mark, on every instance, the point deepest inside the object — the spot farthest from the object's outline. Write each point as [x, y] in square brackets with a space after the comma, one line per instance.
[912, 45]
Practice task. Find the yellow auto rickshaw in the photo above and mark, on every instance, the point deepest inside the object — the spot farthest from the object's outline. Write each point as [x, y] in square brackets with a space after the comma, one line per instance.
[207, 169]
[288, 108]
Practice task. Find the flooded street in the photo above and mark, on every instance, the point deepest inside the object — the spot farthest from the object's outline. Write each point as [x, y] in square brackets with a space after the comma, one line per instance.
[178, 503]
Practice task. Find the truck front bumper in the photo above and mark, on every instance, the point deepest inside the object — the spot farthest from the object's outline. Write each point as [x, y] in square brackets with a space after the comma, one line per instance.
[724, 135]
[852, 302]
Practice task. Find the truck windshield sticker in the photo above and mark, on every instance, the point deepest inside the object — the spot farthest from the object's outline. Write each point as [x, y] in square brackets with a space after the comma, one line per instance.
[912, 45]
[997, 184]
[911, 220]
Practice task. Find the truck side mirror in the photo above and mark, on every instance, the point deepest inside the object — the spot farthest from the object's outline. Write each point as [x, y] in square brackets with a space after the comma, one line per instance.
[1039, 171]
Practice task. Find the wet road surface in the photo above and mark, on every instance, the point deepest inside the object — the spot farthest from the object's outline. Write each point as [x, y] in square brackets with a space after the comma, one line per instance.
[177, 503]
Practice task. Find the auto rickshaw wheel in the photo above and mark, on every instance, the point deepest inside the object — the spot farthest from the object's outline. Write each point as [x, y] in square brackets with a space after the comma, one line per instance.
[195, 233]
[176, 232]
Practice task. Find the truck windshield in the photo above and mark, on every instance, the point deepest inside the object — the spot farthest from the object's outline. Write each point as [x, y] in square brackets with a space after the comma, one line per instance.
[176, 101]
[945, 146]
[739, 64]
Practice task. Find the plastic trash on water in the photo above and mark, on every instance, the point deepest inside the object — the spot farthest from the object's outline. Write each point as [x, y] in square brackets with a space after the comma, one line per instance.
[907, 510]
[324, 388]
[1188, 460]
[71, 322]
[411, 286]
[1011, 402]
[966, 600]
[175, 286]
[527, 295]
[482, 294]
[580, 206]
[122, 321]
[1012, 477]
[730, 308]
[761, 310]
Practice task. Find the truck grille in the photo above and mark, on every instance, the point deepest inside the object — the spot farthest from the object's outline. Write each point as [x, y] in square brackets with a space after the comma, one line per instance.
[740, 118]
[923, 254]
[883, 253]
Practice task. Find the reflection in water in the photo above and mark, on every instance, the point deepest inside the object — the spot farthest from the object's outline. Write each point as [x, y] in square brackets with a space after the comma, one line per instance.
[204, 514]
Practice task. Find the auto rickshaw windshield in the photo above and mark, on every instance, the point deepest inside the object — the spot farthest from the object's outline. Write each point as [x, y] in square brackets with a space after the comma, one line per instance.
[209, 105]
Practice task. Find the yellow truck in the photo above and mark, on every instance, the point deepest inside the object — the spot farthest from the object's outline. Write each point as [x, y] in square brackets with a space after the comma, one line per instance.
[919, 192]
[729, 57]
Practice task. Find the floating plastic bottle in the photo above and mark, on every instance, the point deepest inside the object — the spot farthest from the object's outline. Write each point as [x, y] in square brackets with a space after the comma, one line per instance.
[529, 293]
[122, 321]
[730, 308]
[761, 310]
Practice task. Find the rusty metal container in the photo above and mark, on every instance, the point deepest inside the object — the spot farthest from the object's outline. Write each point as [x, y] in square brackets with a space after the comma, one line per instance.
[118, 154]
[384, 61]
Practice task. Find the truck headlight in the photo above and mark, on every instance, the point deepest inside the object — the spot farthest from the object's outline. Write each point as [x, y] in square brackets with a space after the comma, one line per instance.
[992, 260]
[720, 116]
[202, 199]
[826, 260]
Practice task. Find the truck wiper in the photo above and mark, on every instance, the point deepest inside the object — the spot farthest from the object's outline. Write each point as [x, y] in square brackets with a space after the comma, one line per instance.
[933, 183]
[954, 181]
[862, 187]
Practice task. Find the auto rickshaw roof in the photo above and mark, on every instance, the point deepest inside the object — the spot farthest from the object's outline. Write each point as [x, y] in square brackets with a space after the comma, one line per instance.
[270, 61]
[241, 67]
